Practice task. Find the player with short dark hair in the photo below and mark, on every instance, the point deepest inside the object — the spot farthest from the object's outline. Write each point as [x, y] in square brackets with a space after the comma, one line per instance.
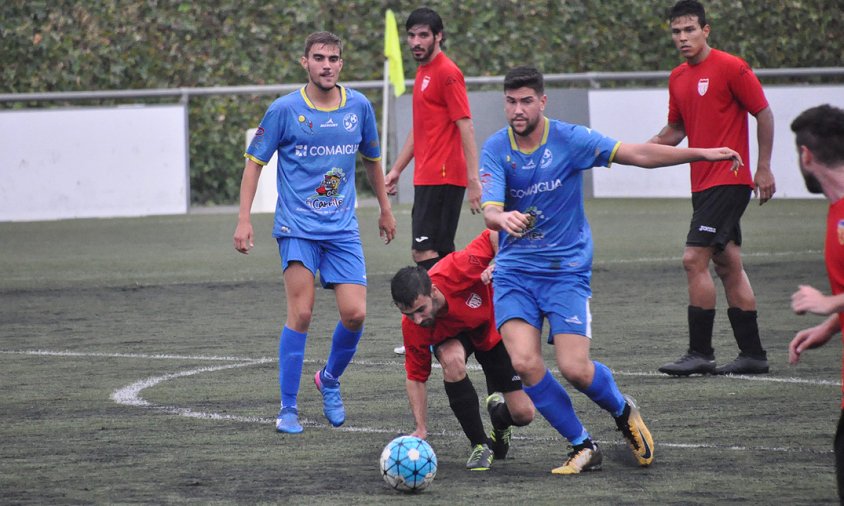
[317, 132]
[533, 194]
[710, 96]
[819, 133]
[448, 313]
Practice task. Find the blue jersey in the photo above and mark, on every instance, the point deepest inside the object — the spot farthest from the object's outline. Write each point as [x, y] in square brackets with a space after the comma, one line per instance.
[547, 184]
[317, 152]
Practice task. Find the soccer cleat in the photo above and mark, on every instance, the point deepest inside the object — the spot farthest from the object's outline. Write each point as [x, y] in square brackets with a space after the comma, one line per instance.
[636, 433]
[288, 421]
[583, 457]
[744, 364]
[499, 439]
[480, 459]
[332, 404]
[690, 363]
[399, 350]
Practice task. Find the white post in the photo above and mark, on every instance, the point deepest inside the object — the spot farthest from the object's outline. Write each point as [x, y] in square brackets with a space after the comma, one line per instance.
[384, 115]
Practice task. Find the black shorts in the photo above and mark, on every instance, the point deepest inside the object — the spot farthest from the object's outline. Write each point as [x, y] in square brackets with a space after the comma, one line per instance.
[436, 211]
[716, 216]
[839, 457]
[496, 364]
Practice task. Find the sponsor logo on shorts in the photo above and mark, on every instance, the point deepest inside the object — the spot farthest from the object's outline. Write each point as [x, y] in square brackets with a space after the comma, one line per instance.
[421, 238]
[706, 228]
[574, 319]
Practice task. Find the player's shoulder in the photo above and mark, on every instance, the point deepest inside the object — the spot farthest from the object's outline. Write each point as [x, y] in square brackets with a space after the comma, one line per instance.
[729, 61]
[354, 96]
[498, 139]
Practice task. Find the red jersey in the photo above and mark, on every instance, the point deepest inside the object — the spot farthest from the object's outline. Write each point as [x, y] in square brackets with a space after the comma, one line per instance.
[711, 100]
[439, 99]
[470, 312]
[834, 256]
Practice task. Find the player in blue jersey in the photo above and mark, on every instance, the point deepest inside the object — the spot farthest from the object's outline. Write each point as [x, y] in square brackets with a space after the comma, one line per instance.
[317, 132]
[531, 173]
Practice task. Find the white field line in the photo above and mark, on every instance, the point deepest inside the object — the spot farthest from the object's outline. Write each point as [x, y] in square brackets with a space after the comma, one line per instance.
[130, 396]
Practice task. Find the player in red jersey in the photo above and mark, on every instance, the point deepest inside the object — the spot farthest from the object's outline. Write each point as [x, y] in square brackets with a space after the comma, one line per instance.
[448, 313]
[441, 142]
[710, 96]
[819, 133]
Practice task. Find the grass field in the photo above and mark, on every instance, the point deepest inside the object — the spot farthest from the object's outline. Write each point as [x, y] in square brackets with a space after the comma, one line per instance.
[138, 364]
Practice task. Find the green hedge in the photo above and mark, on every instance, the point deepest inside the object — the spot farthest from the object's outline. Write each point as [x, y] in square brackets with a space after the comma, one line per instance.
[112, 45]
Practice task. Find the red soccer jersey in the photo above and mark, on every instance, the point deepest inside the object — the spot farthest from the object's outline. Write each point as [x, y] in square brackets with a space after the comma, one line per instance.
[458, 277]
[439, 99]
[711, 100]
[834, 256]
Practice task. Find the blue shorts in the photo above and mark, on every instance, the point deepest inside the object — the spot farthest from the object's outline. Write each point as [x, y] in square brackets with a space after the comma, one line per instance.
[561, 298]
[338, 262]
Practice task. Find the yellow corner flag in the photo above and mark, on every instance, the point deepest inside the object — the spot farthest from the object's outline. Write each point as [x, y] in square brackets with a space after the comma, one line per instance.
[392, 51]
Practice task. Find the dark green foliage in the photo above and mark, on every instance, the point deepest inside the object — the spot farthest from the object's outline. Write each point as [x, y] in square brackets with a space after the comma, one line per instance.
[111, 45]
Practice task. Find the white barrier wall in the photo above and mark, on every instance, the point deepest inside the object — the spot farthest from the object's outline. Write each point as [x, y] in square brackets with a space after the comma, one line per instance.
[267, 195]
[93, 162]
[636, 115]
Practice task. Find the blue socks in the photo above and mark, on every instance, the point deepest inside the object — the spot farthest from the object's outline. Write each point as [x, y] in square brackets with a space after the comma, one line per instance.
[604, 392]
[551, 399]
[291, 355]
[344, 344]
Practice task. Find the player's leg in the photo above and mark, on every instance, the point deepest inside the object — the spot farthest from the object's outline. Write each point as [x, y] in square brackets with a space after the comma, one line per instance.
[299, 290]
[342, 268]
[839, 457]
[463, 400]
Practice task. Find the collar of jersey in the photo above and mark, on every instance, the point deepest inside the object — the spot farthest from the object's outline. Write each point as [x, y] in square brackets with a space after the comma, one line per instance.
[515, 147]
[312, 106]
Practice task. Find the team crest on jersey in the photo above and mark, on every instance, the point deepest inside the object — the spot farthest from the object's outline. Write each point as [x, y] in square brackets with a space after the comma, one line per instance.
[841, 232]
[702, 86]
[328, 194]
[425, 82]
[474, 301]
[547, 159]
[511, 162]
[350, 122]
[305, 124]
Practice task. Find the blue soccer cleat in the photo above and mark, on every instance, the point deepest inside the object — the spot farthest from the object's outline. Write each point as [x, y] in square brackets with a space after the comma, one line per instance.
[288, 421]
[332, 404]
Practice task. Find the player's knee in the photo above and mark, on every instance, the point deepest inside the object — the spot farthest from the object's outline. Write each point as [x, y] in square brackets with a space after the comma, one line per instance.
[579, 374]
[530, 368]
[454, 366]
[522, 414]
[353, 319]
[299, 318]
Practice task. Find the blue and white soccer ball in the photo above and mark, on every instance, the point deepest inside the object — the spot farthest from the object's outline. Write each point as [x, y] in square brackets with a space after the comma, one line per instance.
[408, 464]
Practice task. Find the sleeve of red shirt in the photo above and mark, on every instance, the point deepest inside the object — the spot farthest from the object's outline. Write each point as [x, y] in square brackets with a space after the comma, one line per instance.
[455, 95]
[674, 115]
[417, 354]
[747, 89]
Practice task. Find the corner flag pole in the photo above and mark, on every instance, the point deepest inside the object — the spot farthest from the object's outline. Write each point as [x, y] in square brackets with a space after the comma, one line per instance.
[393, 74]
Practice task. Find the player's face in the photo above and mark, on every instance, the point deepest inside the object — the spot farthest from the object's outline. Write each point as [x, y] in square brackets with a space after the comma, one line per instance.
[424, 45]
[689, 37]
[812, 183]
[323, 64]
[421, 312]
[523, 109]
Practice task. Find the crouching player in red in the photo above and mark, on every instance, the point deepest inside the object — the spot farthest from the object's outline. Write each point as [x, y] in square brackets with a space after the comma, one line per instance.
[448, 312]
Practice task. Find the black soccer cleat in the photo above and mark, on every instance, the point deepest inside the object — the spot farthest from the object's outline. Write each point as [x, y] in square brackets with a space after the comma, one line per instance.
[688, 364]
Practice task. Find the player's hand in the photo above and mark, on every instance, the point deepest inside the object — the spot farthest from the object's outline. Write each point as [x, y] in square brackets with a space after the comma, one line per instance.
[387, 226]
[765, 186]
[808, 299]
[243, 237]
[514, 222]
[486, 275]
[806, 339]
[391, 180]
[474, 195]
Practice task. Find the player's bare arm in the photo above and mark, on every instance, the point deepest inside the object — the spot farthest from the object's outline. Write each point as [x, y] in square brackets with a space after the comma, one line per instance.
[417, 395]
[470, 152]
[808, 299]
[813, 337]
[243, 234]
[391, 180]
[763, 179]
[650, 155]
[386, 220]
[670, 135]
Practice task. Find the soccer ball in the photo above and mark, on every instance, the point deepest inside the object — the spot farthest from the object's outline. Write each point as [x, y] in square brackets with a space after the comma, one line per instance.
[408, 464]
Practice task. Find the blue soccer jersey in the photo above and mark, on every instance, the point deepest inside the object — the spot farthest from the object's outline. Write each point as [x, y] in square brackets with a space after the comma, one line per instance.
[547, 184]
[317, 152]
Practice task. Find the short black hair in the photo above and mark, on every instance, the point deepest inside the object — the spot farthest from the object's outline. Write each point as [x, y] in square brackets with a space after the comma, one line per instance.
[408, 284]
[821, 129]
[323, 38]
[428, 17]
[688, 8]
[525, 77]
